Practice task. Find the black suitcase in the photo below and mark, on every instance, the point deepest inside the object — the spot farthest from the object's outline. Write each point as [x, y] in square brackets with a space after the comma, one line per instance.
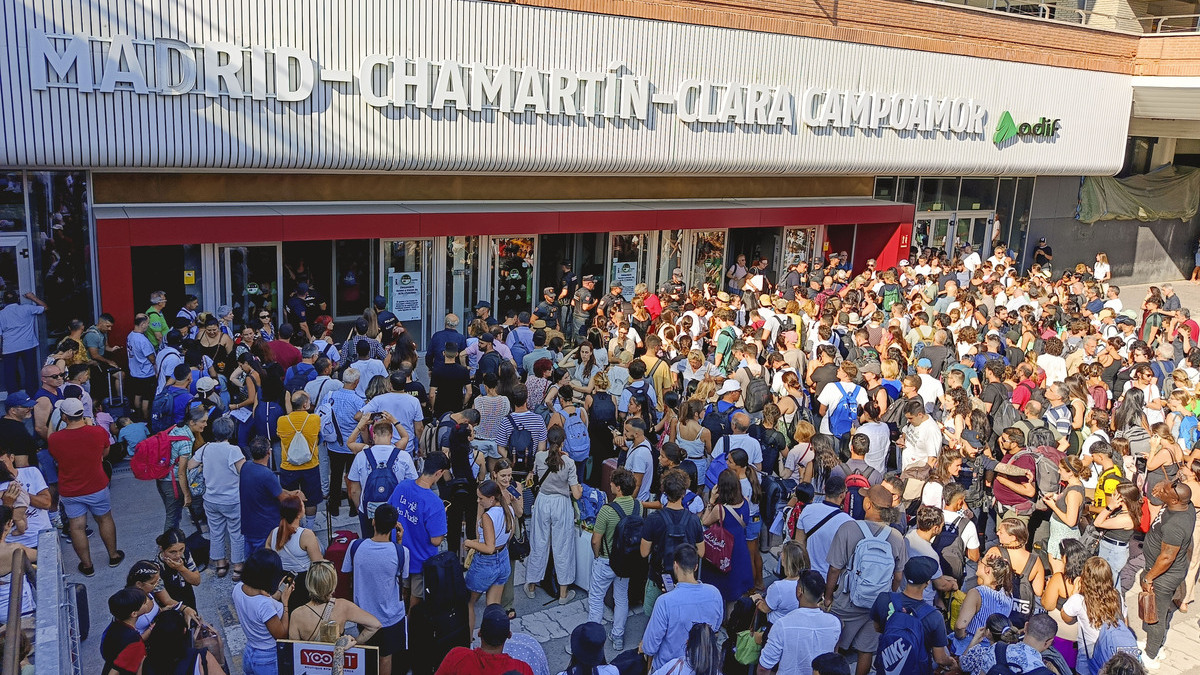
[439, 622]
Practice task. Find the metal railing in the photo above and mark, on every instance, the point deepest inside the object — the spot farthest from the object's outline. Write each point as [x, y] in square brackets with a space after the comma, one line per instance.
[57, 644]
[22, 573]
[1173, 24]
[1179, 23]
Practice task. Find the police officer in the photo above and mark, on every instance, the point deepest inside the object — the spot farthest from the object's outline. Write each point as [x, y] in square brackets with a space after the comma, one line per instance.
[583, 304]
[613, 297]
[674, 291]
[568, 283]
[547, 309]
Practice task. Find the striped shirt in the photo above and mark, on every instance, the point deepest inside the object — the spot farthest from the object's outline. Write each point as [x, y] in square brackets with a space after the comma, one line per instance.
[529, 421]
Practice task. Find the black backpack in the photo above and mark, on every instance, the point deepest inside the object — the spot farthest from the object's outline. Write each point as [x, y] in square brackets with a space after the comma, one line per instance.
[641, 387]
[758, 392]
[625, 554]
[440, 623]
[674, 534]
[951, 548]
[772, 443]
[521, 448]
[717, 423]
[604, 409]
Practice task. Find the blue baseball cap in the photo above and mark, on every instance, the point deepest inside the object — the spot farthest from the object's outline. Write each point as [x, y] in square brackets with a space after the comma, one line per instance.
[18, 400]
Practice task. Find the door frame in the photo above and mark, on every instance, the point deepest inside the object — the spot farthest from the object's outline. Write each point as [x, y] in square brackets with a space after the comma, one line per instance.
[487, 286]
[817, 245]
[21, 242]
[649, 248]
[221, 262]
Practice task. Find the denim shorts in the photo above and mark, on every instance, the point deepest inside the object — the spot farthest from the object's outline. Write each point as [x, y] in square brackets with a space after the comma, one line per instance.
[97, 504]
[488, 448]
[487, 571]
[753, 528]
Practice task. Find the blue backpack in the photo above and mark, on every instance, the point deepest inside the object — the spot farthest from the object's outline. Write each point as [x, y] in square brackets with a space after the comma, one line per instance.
[521, 448]
[717, 465]
[845, 412]
[380, 483]
[604, 408]
[1112, 638]
[578, 444]
[520, 350]
[1188, 432]
[162, 409]
[902, 649]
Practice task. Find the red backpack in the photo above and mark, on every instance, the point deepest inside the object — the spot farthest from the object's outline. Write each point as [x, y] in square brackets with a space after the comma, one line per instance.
[152, 457]
[855, 479]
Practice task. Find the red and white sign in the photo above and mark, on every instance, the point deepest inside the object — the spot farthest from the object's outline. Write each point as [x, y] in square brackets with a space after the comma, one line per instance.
[316, 658]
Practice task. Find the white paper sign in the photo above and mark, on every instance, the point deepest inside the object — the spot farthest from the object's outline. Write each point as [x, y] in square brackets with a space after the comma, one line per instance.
[625, 273]
[406, 295]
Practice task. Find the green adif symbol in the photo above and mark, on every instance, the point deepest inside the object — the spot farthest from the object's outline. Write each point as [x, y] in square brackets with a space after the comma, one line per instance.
[1006, 129]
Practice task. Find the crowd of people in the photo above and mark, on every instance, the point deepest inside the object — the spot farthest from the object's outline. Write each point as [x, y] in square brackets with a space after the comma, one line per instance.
[955, 465]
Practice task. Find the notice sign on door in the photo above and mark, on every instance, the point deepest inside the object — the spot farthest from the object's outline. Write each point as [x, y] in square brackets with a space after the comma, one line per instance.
[625, 273]
[316, 658]
[406, 295]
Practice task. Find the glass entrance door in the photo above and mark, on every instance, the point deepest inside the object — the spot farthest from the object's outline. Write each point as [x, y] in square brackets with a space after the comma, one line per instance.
[933, 232]
[705, 263]
[974, 228]
[251, 278]
[628, 255]
[16, 265]
[800, 244]
[512, 275]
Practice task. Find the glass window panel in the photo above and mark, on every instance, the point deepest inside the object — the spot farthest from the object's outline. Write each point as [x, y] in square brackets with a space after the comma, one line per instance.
[920, 238]
[1004, 209]
[670, 254]
[708, 262]
[1018, 232]
[250, 275]
[12, 202]
[799, 245]
[978, 194]
[352, 276]
[938, 194]
[408, 265]
[628, 262]
[462, 282]
[885, 188]
[60, 216]
[512, 283]
[906, 190]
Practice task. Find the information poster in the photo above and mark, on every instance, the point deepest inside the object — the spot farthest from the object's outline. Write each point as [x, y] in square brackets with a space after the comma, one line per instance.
[316, 658]
[625, 273]
[406, 295]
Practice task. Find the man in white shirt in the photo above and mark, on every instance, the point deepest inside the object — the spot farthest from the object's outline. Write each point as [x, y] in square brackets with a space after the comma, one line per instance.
[803, 633]
[739, 422]
[819, 521]
[1113, 299]
[957, 514]
[931, 390]
[402, 406]
[832, 394]
[970, 259]
[921, 439]
[366, 366]
[380, 451]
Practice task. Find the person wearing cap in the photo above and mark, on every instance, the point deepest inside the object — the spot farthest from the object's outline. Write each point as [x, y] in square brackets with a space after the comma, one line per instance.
[188, 311]
[18, 329]
[611, 302]
[379, 564]
[296, 307]
[359, 334]
[547, 308]
[583, 305]
[489, 658]
[858, 631]
[79, 450]
[299, 375]
[568, 283]
[689, 603]
[820, 521]
[803, 633]
[1042, 254]
[587, 651]
[674, 290]
[483, 310]
[14, 434]
[931, 390]
[918, 572]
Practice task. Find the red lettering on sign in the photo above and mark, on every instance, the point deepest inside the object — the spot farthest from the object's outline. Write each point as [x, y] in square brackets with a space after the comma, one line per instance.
[323, 658]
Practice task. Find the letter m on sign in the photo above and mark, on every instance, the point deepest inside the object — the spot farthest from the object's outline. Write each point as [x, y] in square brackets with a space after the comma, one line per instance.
[43, 57]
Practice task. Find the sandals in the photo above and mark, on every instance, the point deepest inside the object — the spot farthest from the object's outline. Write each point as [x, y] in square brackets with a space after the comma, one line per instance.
[237, 575]
[222, 570]
[512, 614]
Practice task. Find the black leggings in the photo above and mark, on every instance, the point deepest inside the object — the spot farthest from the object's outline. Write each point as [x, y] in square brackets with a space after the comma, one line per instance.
[339, 463]
[462, 511]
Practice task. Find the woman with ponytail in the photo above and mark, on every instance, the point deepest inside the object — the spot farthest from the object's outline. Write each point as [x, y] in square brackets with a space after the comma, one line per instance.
[1065, 507]
[992, 595]
[748, 477]
[297, 547]
[1121, 517]
[489, 568]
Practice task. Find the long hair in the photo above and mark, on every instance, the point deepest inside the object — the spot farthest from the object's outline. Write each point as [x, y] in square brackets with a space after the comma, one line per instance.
[460, 452]
[1099, 592]
[941, 470]
[492, 490]
[168, 643]
[703, 653]
[691, 410]
[729, 488]
[289, 510]
[646, 414]
[739, 457]
[1002, 573]
[1131, 494]
[555, 437]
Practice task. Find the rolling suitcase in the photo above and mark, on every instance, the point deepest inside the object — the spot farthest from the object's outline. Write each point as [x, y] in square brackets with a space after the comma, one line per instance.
[339, 545]
[606, 472]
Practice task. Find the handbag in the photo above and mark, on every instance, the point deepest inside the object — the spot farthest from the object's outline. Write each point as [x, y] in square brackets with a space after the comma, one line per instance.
[205, 637]
[1147, 607]
[718, 543]
[518, 543]
[195, 476]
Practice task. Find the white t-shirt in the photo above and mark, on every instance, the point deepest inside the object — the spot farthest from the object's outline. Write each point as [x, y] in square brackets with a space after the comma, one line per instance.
[1115, 305]
[743, 442]
[640, 460]
[881, 440]
[781, 598]
[798, 457]
[404, 407]
[403, 468]
[253, 614]
[221, 478]
[967, 531]
[931, 389]
[830, 396]
[38, 520]
[818, 543]
[367, 371]
[1101, 271]
[1075, 606]
[920, 443]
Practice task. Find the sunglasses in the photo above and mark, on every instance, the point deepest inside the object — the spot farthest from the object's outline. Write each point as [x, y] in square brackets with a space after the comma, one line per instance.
[264, 316]
[55, 376]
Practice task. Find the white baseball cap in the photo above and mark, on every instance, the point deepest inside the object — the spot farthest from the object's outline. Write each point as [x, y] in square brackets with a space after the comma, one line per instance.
[729, 387]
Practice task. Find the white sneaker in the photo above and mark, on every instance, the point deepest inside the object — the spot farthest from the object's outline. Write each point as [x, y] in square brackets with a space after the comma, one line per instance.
[1151, 664]
[568, 599]
[1141, 645]
[618, 643]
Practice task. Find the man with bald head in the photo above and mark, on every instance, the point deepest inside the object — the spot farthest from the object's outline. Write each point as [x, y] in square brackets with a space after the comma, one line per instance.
[1167, 548]
[739, 424]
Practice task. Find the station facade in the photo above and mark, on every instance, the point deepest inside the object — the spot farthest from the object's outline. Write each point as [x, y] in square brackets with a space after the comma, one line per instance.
[370, 149]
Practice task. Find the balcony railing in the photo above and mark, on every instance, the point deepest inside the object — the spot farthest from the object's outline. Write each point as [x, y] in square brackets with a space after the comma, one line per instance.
[1068, 13]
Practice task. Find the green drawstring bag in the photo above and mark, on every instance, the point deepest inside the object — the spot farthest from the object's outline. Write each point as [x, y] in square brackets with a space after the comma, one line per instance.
[747, 650]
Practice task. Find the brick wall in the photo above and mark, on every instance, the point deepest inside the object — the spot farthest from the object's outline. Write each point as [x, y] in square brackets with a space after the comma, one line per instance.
[1178, 55]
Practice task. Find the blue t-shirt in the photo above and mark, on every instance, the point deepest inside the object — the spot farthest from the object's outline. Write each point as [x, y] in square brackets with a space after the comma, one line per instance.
[260, 500]
[133, 434]
[376, 569]
[18, 326]
[423, 516]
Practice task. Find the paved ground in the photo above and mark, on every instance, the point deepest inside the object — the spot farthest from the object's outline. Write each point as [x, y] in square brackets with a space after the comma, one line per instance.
[138, 512]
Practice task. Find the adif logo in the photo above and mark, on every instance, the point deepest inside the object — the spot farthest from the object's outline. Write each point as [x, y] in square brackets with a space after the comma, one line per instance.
[323, 658]
[1007, 129]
